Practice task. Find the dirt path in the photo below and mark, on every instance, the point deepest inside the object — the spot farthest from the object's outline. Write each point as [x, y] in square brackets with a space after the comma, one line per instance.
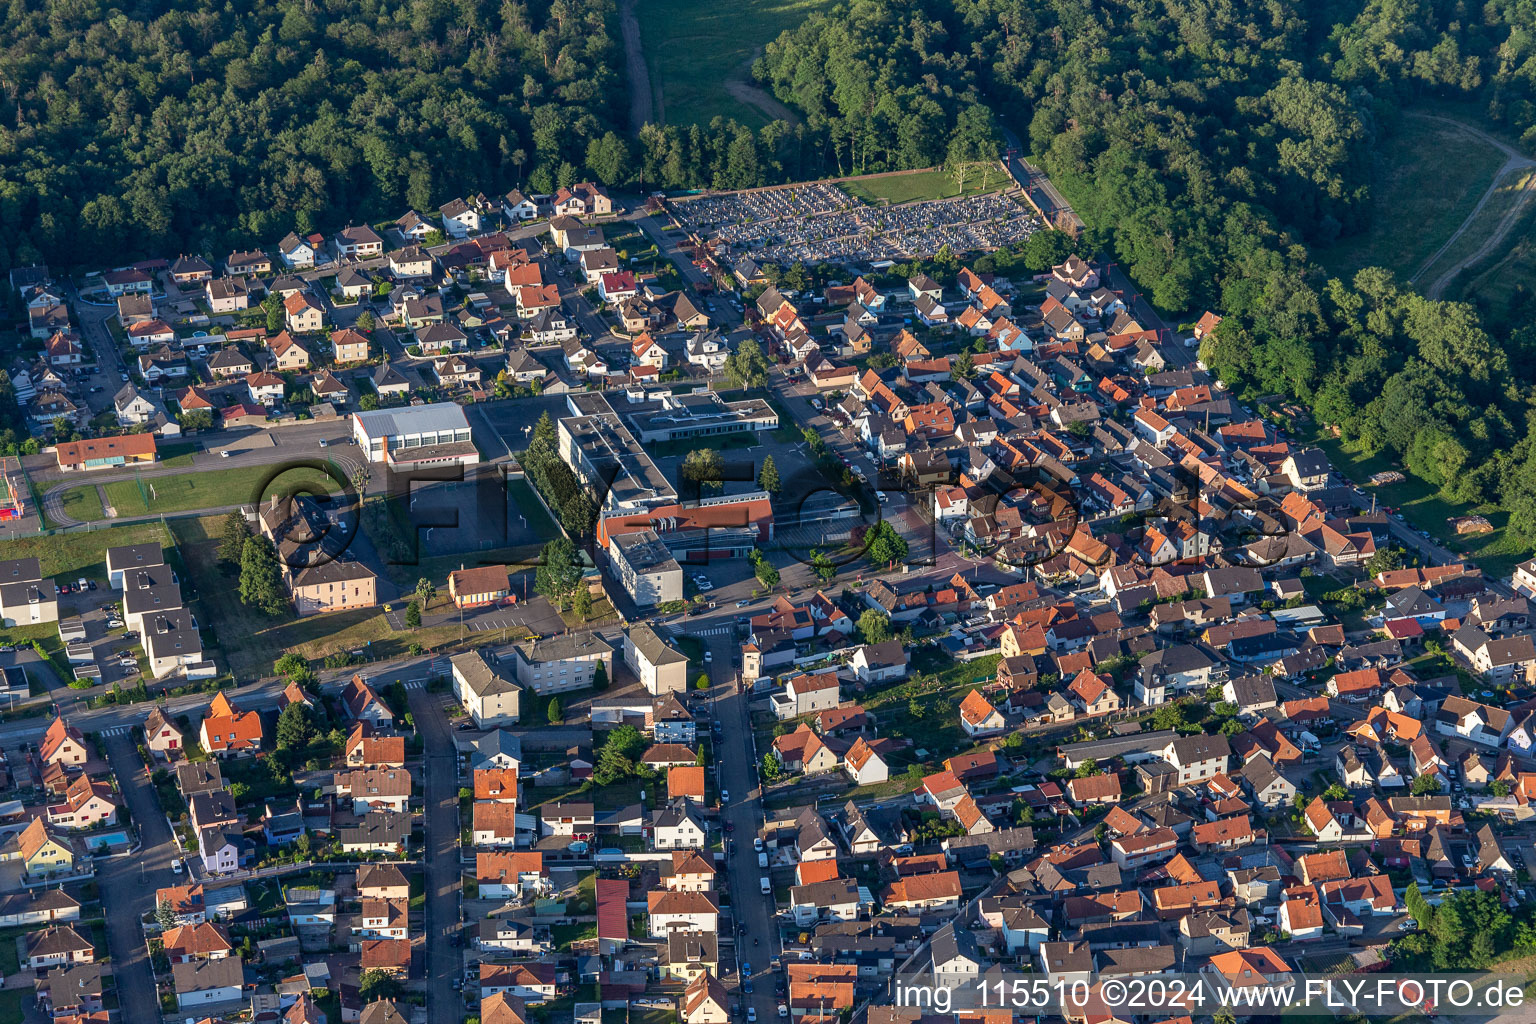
[1514, 163]
[740, 87]
[640, 112]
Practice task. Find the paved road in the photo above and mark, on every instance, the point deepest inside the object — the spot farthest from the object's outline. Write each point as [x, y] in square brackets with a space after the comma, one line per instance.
[128, 883]
[757, 936]
[441, 854]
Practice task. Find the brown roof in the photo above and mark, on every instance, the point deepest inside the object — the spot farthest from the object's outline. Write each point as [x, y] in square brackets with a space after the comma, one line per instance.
[937, 886]
[75, 453]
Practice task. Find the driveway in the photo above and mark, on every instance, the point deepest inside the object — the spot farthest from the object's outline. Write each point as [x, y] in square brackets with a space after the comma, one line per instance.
[441, 856]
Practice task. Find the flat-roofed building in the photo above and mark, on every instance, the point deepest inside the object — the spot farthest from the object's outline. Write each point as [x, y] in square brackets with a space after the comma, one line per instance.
[645, 566]
[417, 435]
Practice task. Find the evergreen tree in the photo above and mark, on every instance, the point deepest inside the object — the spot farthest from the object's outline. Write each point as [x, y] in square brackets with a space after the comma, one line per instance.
[559, 573]
[555, 712]
[768, 476]
[261, 581]
[235, 533]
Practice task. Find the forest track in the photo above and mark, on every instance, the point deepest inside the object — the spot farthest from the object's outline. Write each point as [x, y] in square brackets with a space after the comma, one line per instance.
[640, 107]
[1514, 163]
[740, 87]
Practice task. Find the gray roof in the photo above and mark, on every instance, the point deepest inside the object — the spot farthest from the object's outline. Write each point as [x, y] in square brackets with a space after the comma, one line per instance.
[563, 648]
[652, 647]
[478, 674]
[414, 419]
[203, 975]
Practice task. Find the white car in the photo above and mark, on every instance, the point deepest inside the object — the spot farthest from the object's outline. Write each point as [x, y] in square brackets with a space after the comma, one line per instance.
[223, 454]
[757, 844]
[324, 443]
[176, 865]
[751, 1014]
[815, 403]
[709, 656]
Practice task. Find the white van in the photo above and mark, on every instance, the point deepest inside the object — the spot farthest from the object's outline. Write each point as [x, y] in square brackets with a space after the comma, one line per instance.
[767, 886]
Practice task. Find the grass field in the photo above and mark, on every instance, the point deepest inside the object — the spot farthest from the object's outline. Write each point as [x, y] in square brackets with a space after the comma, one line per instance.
[82, 553]
[83, 504]
[1499, 283]
[185, 492]
[908, 188]
[1417, 196]
[252, 641]
[1497, 552]
[693, 48]
[1485, 225]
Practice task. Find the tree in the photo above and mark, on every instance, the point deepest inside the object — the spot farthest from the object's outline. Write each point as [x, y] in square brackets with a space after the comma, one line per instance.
[293, 727]
[369, 402]
[766, 574]
[559, 574]
[963, 365]
[822, 566]
[768, 476]
[1088, 769]
[702, 682]
[261, 582]
[376, 984]
[883, 545]
[772, 771]
[292, 667]
[273, 305]
[426, 590]
[196, 419]
[235, 532]
[366, 322]
[747, 367]
[704, 467]
[413, 615]
[874, 626]
[1168, 716]
[555, 712]
[616, 761]
[600, 676]
[1425, 785]
[165, 915]
[1385, 559]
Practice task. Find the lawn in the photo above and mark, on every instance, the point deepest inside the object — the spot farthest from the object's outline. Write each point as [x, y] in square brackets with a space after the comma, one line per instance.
[1417, 197]
[83, 504]
[910, 188]
[185, 492]
[532, 509]
[697, 50]
[252, 641]
[1498, 283]
[1497, 552]
[82, 553]
[1486, 224]
[13, 1004]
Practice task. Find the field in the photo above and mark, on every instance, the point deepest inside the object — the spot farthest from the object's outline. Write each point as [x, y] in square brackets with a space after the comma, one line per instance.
[83, 504]
[700, 56]
[185, 492]
[1482, 230]
[1501, 286]
[1418, 197]
[252, 641]
[909, 188]
[1497, 552]
[82, 553]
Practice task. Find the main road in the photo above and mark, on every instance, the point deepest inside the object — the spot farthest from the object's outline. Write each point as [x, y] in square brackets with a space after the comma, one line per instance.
[127, 883]
[757, 935]
[440, 855]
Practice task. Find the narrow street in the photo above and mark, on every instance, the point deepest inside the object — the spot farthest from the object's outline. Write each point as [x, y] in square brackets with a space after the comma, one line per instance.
[128, 883]
[440, 853]
[757, 937]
